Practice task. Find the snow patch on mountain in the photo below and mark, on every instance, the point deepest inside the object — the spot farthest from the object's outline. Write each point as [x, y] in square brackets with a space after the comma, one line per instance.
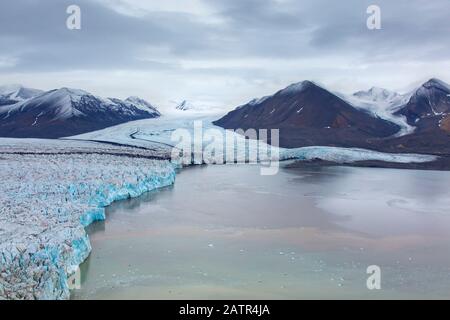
[296, 87]
[382, 103]
[65, 103]
[17, 92]
[142, 105]
[376, 94]
[184, 106]
[436, 83]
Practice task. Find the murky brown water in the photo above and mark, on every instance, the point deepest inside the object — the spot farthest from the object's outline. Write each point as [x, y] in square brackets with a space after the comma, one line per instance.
[225, 232]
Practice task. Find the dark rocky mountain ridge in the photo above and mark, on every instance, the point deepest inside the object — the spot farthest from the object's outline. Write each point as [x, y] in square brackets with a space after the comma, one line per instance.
[66, 112]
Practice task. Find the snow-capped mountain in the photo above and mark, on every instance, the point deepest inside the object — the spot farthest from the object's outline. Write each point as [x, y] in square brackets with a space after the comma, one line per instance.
[66, 112]
[189, 108]
[423, 109]
[376, 94]
[185, 106]
[11, 94]
[382, 103]
[431, 100]
[428, 111]
[142, 105]
[379, 97]
[308, 114]
[378, 119]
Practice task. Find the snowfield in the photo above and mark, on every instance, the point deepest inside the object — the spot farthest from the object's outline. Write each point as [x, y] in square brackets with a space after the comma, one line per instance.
[52, 189]
[383, 104]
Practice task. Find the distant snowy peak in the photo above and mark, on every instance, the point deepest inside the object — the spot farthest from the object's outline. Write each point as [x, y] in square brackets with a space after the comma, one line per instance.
[185, 106]
[382, 103]
[59, 102]
[65, 112]
[142, 104]
[64, 94]
[378, 99]
[138, 102]
[189, 108]
[67, 102]
[71, 92]
[17, 92]
[376, 94]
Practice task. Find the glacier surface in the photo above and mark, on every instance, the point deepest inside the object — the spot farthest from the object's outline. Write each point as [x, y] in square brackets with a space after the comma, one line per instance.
[52, 189]
[148, 132]
[47, 199]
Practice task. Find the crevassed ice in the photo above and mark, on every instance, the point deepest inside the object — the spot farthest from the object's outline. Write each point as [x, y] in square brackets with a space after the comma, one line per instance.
[348, 155]
[47, 200]
[160, 130]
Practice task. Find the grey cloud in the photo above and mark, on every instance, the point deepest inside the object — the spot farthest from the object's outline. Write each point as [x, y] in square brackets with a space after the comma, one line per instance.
[33, 33]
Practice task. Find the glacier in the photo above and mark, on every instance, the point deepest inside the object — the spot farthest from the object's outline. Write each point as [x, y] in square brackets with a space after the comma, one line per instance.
[48, 199]
[350, 155]
[148, 132]
[53, 189]
[382, 103]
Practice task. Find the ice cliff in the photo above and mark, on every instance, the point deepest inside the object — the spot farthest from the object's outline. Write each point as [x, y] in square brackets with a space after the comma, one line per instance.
[47, 200]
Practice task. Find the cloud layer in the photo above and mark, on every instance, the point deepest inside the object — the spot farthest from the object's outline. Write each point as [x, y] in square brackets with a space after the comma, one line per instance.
[221, 52]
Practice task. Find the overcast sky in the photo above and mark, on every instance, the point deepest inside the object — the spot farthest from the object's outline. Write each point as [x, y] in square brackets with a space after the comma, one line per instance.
[221, 52]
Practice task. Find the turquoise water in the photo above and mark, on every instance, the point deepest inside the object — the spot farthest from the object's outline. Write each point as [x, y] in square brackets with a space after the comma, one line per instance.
[225, 232]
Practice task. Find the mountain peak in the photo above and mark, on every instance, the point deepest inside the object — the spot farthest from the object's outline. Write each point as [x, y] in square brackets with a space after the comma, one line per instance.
[9, 88]
[379, 90]
[184, 106]
[142, 104]
[297, 87]
[436, 83]
[428, 105]
[376, 94]
[18, 92]
[71, 91]
[136, 99]
[308, 114]
[66, 112]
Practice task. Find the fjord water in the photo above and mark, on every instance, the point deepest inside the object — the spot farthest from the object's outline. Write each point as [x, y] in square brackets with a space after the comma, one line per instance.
[226, 232]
